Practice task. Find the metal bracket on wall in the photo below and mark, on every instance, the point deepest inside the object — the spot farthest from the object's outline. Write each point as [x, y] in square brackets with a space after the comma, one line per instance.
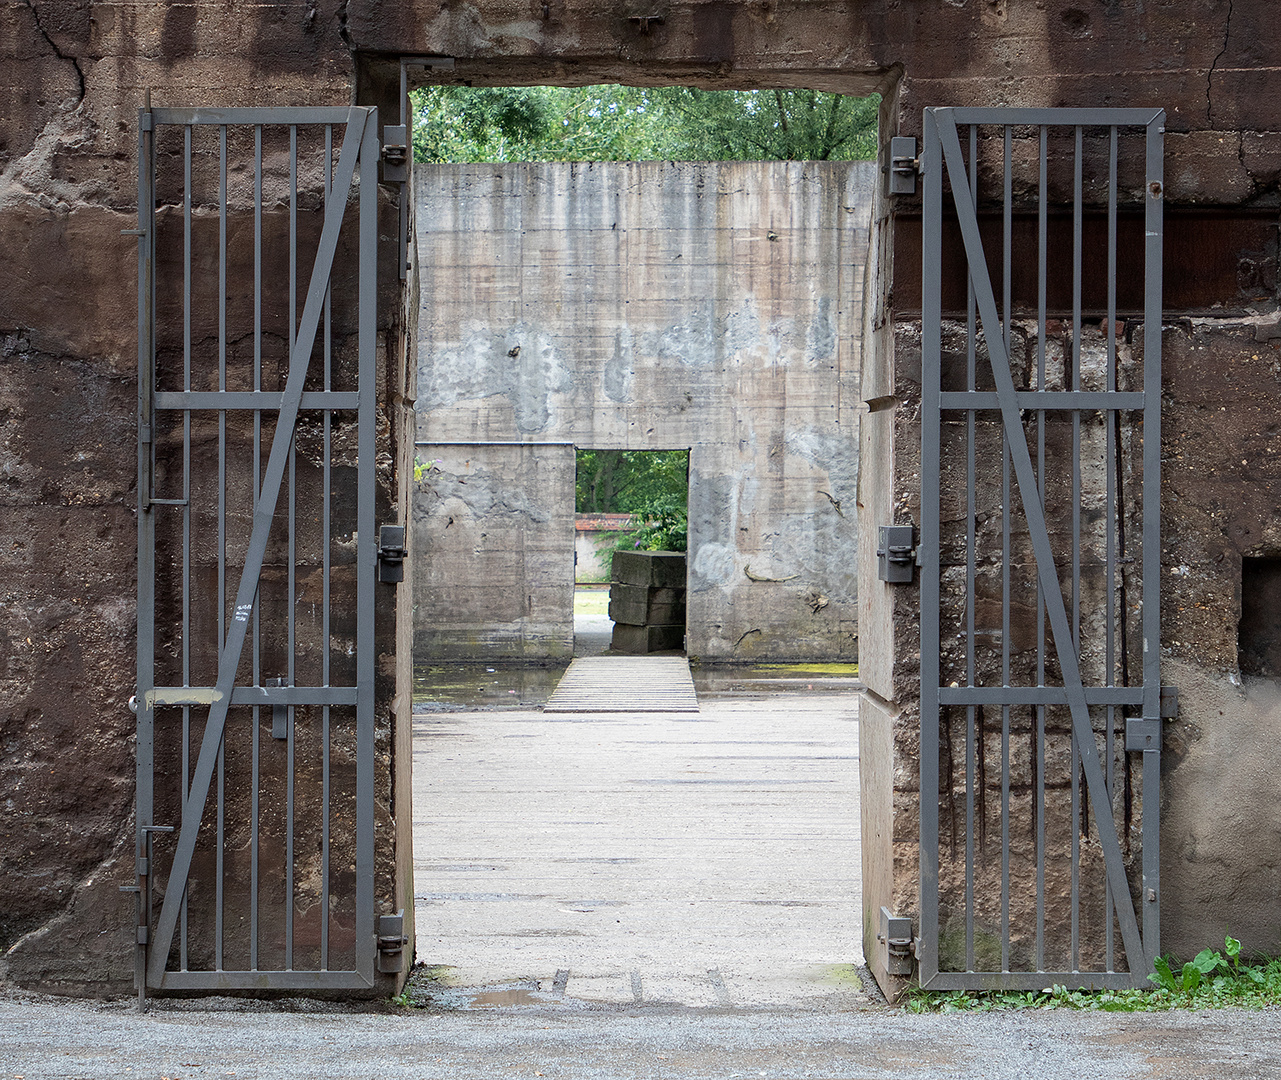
[905, 165]
[279, 713]
[395, 154]
[894, 938]
[391, 553]
[398, 148]
[895, 553]
[391, 942]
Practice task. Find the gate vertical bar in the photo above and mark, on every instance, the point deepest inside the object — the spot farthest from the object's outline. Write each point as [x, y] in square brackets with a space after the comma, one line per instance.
[1072, 381]
[1152, 256]
[365, 551]
[326, 470]
[1042, 285]
[186, 496]
[931, 340]
[145, 775]
[256, 719]
[1007, 261]
[1109, 632]
[971, 365]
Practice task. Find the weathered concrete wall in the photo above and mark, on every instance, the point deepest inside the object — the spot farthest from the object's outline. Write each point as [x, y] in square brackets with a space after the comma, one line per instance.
[714, 307]
[494, 552]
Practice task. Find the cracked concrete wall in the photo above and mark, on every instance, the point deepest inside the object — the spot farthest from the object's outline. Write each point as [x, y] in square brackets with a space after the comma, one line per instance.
[710, 307]
[71, 76]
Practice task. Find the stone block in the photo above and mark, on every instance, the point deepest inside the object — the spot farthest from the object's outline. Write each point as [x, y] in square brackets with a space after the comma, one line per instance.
[641, 606]
[646, 639]
[658, 569]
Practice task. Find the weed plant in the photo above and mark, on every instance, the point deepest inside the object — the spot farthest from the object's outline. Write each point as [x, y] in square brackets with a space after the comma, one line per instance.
[1211, 980]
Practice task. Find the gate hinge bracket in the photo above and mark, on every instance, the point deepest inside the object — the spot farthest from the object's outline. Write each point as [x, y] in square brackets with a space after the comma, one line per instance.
[279, 713]
[905, 165]
[894, 939]
[391, 942]
[395, 154]
[391, 553]
[895, 553]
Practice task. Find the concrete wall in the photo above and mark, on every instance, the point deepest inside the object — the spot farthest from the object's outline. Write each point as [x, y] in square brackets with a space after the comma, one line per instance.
[594, 539]
[651, 306]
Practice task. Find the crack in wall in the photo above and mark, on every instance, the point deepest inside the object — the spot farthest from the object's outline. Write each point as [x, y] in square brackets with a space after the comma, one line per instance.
[1209, 75]
[75, 63]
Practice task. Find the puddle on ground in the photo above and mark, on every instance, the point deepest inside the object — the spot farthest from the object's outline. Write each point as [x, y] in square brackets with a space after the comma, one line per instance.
[759, 680]
[430, 988]
[456, 687]
[459, 686]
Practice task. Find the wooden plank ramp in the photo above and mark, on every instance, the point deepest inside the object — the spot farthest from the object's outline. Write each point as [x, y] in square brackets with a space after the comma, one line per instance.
[625, 684]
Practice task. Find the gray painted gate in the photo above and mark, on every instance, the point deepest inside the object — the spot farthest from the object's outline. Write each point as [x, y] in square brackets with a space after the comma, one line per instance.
[1040, 468]
[255, 789]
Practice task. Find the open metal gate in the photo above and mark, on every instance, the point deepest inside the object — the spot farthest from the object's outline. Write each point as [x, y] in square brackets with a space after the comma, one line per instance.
[1040, 497]
[256, 556]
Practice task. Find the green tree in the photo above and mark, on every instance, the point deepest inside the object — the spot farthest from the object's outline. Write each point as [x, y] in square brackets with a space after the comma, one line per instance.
[773, 125]
[626, 123]
[628, 481]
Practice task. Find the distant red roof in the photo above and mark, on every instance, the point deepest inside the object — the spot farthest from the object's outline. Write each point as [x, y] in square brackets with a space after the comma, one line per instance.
[601, 522]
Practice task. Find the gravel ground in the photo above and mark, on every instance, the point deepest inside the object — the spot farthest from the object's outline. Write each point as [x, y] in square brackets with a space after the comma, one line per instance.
[46, 1038]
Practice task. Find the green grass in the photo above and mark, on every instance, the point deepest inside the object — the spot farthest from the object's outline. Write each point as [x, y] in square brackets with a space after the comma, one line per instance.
[849, 670]
[591, 601]
[1209, 981]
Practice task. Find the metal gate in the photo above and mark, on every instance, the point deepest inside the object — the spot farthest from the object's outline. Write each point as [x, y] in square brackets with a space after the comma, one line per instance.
[256, 557]
[1040, 496]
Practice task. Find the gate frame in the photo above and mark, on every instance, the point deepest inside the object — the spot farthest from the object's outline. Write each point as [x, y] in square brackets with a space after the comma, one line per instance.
[360, 151]
[942, 147]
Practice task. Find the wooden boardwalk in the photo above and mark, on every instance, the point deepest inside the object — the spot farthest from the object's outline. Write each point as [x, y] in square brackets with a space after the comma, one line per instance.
[602, 684]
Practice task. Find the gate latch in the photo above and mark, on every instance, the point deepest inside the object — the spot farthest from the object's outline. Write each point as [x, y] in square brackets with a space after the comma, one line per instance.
[904, 165]
[391, 553]
[391, 942]
[279, 713]
[895, 553]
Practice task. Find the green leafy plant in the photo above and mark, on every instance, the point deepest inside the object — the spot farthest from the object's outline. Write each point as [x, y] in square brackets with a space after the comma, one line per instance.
[422, 469]
[1211, 979]
[661, 525]
[630, 123]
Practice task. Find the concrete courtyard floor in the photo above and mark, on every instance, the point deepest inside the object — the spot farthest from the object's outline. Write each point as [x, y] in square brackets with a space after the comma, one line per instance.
[694, 859]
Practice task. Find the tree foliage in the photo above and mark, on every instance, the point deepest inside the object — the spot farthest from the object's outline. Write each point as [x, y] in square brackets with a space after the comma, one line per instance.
[627, 123]
[628, 481]
[651, 485]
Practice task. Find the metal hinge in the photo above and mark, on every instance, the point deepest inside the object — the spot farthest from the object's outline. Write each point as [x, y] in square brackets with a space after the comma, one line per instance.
[896, 938]
[1145, 733]
[395, 154]
[895, 553]
[391, 553]
[279, 713]
[905, 165]
[391, 942]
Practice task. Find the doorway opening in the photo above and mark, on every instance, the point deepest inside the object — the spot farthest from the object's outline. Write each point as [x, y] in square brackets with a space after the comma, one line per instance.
[628, 501]
[714, 307]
